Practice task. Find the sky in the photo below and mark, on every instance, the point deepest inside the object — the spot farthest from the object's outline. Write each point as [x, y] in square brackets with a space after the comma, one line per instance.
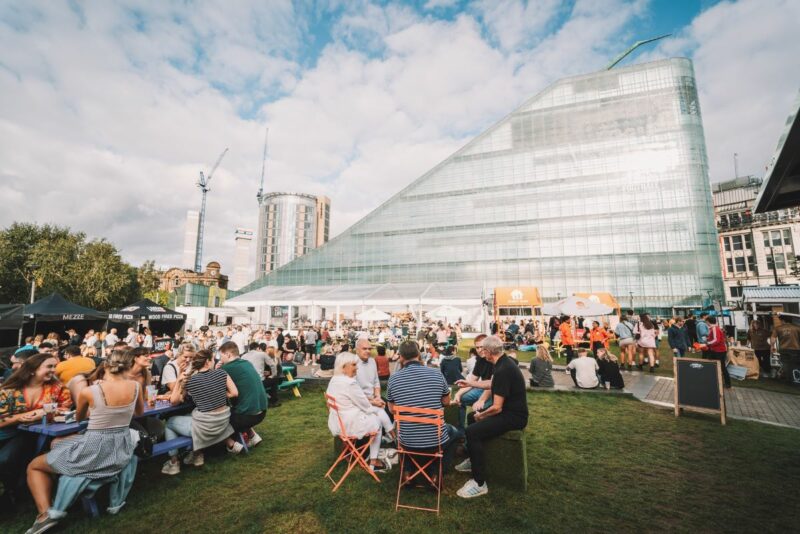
[110, 109]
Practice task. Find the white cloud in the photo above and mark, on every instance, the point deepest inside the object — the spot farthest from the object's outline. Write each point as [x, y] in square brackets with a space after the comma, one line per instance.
[109, 113]
[439, 4]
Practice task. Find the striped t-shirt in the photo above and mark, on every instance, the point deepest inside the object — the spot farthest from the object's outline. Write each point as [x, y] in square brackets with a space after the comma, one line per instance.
[419, 387]
[208, 389]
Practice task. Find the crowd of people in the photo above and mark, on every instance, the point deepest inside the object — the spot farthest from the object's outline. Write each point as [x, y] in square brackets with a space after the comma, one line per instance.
[221, 395]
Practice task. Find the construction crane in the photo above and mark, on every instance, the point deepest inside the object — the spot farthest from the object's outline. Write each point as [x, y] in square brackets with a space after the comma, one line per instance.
[260, 193]
[633, 47]
[202, 183]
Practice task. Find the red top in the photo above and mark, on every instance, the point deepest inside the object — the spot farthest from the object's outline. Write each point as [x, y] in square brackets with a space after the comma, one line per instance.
[382, 362]
[716, 340]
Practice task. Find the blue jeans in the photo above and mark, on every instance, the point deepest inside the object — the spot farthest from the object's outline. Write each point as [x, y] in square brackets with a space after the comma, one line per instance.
[178, 425]
[468, 399]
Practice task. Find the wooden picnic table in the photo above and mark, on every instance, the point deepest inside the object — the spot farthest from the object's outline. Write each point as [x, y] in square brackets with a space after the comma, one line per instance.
[56, 430]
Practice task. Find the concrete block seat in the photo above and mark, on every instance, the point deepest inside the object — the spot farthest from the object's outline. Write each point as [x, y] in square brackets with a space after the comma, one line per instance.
[507, 460]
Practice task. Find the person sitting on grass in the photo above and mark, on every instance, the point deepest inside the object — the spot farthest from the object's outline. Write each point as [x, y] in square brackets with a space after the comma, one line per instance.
[450, 365]
[542, 369]
[610, 376]
[103, 450]
[473, 386]
[509, 411]
[417, 386]
[250, 406]
[358, 415]
[209, 422]
[583, 370]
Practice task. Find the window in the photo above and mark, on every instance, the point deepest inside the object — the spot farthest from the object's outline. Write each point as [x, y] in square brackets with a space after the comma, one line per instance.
[751, 264]
[740, 268]
[736, 291]
[727, 242]
[737, 242]
[776, 238]
[780, 261]
[748, 242]
[730, 264]
[787, 236]
[766, 238]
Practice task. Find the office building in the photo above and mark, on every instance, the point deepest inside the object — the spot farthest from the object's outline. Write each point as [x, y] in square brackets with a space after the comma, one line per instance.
[242, 268]
[756, 249]
[289, 225]
[597, 184]
[190, 239]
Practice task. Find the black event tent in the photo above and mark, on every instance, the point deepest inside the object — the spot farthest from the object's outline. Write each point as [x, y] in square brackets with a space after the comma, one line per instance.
[54, 313]
[11, 320]
[159, 319]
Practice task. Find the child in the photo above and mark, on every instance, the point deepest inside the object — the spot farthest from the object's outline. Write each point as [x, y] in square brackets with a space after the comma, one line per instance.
[610, 376]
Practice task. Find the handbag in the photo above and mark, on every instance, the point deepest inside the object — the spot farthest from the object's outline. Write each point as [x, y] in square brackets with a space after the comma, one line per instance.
[144, 448]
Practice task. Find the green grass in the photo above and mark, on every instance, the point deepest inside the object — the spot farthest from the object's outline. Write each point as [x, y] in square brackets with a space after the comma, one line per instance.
[596, 463]
[666, 368]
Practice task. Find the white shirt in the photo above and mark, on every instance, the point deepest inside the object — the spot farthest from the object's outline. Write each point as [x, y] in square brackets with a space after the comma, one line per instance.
[111, 340]
[240, 338]
[354, 408]
[367, 376]
[585, 371]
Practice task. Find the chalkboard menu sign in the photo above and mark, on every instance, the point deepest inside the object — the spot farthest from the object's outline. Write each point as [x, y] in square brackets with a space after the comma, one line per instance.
[698, 386]
[161, 344]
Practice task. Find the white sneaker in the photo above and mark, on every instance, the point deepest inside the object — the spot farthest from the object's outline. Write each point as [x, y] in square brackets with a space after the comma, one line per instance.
[255, 440]
[194, 458]
[465, 466]
[171, 468]
[236, 449]
[472, 489]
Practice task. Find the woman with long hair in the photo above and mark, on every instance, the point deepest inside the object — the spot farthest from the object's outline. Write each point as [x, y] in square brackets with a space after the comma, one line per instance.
[542, 368]
[104, 449]
[647, 332]
[209, 422]
[22, 401]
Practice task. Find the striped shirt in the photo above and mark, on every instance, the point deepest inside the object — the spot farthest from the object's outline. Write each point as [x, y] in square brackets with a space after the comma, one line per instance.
[419, 387]
[208, 390]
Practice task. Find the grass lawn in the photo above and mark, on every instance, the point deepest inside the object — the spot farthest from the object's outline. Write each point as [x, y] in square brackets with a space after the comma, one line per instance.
[666, 368]
[596, 463]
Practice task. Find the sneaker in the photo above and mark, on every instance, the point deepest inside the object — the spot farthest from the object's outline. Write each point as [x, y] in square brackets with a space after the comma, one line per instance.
[194, 458]
[42, 525]
[171, 468]
[472, 489]
[236, 449]
[255, 440]
[465, 466]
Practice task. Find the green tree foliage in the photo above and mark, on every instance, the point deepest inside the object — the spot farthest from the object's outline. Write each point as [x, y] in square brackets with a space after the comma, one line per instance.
[149, 279]
[88, 273]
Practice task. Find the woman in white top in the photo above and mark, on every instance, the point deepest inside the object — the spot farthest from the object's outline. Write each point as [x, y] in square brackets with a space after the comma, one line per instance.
[646, 340]
[358, 415]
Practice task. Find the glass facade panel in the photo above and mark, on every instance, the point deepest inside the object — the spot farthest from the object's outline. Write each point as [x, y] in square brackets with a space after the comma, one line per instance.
[598, 183]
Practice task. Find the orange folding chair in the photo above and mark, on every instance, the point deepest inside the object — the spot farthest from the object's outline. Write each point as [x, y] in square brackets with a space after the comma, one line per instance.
[353, 454]
[420, 460]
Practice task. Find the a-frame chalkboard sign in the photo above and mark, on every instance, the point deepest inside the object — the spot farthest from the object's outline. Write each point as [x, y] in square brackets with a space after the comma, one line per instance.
[698, 386]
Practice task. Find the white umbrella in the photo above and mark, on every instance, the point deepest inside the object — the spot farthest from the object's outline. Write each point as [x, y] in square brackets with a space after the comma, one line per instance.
[373, 314]
[443, 312]
[577, 306]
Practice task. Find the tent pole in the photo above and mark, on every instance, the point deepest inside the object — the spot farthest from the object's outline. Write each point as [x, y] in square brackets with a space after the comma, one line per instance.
[338, 320]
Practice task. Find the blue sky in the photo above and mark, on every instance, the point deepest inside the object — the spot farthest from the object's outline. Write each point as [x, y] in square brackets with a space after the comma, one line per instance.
[114, 107]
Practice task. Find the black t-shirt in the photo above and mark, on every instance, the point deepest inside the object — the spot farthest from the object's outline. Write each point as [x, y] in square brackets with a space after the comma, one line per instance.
[509, 383]
[279, 340]
[291, 345]
[483, 368]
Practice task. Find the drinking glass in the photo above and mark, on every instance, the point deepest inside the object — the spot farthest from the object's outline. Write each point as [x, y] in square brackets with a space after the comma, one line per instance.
[49, 409]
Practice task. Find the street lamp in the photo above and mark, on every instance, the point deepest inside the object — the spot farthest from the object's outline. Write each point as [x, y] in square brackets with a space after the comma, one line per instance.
[34, 266]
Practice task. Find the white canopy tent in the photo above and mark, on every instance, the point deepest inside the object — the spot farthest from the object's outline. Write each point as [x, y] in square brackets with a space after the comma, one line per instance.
[415, 297]
[373, 314]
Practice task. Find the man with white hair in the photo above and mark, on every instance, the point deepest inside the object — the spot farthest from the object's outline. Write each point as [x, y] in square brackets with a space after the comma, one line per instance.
[130, 339]
[509, 411]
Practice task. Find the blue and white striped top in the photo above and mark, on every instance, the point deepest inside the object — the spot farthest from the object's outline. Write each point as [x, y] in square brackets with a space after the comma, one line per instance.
[419, 387]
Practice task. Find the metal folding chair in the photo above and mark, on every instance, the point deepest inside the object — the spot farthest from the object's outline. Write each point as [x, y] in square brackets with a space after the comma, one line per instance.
[352, 453]
[420, 460]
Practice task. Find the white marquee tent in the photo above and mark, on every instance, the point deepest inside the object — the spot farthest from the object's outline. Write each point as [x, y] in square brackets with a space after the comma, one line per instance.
[414, 297]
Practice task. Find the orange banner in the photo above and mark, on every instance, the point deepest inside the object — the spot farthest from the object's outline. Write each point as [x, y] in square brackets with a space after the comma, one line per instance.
[517, 296]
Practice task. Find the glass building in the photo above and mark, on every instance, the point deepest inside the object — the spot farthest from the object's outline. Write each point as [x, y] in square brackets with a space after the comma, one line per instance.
[289, 225]
[598, 183]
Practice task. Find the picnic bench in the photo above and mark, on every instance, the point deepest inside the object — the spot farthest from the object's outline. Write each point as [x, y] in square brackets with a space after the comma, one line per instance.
[289, 382]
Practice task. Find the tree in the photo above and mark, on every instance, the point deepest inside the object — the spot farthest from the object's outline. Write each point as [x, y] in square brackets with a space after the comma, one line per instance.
[90, 274]
[149, 279]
